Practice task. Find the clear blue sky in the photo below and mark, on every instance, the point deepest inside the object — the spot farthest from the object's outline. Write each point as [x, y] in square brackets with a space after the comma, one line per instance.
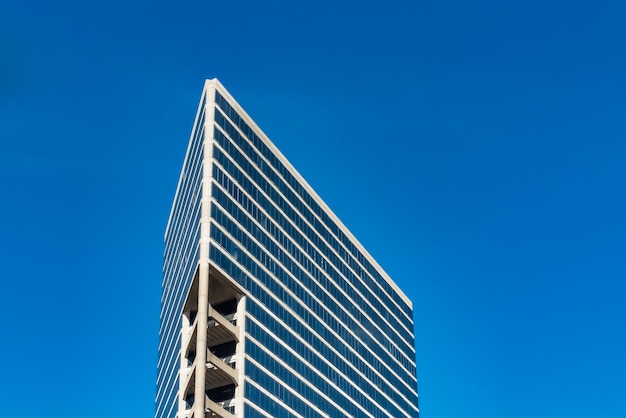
[477, 149]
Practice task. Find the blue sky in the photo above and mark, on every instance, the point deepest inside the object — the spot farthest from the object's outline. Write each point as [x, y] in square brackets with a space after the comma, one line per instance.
[477, 149]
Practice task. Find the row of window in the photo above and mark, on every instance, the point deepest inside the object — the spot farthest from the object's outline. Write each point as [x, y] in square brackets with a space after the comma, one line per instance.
[180, 261]
[339, 326]
[264, 402]
[183, 230]
[342, 391]
[185, 217]
[327, 362]
[170, 339]
[169, 347]
[395, 345]
[178, 276]
[336, 269]
[191, 166]
[280, 185]
[311, 330]
[276, 389]
[320, 320]
[339, 304]
[181, 247]
[167, 390]
[310, 201]
[251, 173]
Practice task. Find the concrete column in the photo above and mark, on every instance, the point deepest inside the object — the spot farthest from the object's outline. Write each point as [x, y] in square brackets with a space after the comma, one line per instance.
[201, 349]
[182, 378]
[205, 238]
[241, 355]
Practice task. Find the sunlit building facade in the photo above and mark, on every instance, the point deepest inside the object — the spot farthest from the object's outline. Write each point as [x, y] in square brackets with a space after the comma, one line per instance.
[270, 306]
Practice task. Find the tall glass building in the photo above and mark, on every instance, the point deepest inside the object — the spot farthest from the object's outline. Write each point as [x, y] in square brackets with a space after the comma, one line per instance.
[270, 306]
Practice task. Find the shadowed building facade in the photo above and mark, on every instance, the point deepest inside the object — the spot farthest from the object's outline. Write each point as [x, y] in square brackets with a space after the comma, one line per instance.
[270, 306]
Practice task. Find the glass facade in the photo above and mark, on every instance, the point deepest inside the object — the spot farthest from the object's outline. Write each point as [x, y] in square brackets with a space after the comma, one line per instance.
[326, 333]
[180, 262]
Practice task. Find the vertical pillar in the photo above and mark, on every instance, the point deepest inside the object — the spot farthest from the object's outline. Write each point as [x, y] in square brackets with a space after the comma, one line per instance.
[241, 355]
[184, 339]
[201, 354]
[205, 237]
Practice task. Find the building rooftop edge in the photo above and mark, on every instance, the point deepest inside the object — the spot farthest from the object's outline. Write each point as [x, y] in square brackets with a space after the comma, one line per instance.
[215, 83]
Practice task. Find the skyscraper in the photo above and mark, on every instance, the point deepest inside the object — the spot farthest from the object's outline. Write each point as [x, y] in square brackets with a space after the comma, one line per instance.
[270, 306]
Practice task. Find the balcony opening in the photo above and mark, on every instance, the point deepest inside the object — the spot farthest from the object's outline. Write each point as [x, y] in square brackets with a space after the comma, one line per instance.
[221, 394]
[192, 316]
[224, 350]
[189, 401]
[191, 358]
[226, 308]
